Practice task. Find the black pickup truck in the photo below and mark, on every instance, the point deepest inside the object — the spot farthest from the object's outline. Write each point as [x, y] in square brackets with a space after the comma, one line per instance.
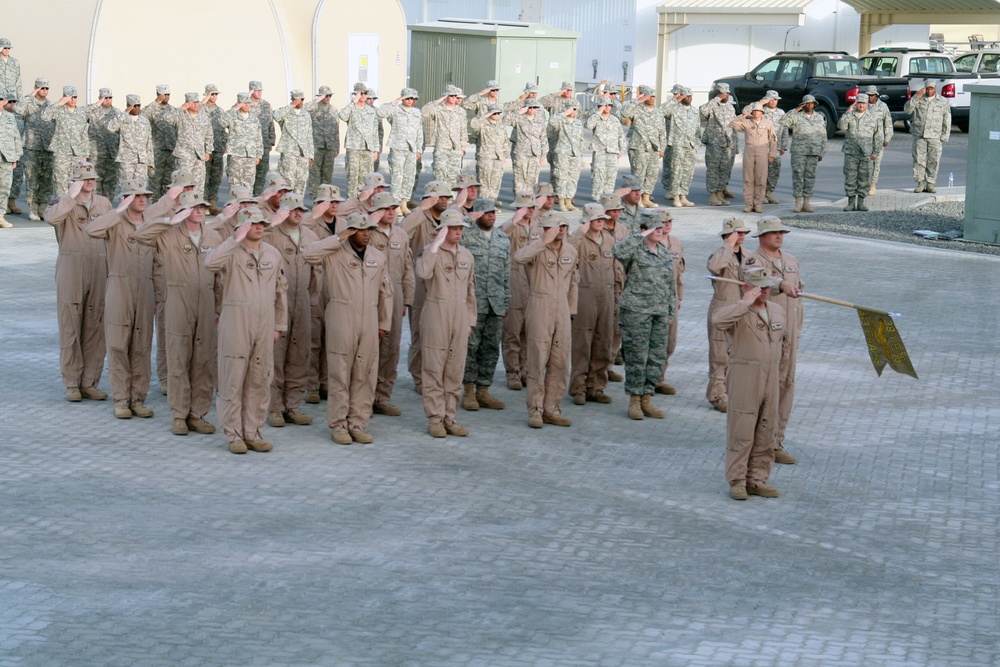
[834, 78]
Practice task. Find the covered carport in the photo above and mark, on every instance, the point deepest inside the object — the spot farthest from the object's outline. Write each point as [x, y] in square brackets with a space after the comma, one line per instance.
[879, 14]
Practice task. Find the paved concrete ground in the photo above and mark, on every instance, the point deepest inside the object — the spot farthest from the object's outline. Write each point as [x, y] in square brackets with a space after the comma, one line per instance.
[612, 542]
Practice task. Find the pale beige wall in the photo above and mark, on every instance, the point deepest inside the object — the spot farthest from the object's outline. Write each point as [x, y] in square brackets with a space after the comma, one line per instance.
[51, 38]
[961, 33]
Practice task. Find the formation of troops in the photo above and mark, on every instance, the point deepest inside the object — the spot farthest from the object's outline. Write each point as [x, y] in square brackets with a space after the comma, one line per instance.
[271, 304]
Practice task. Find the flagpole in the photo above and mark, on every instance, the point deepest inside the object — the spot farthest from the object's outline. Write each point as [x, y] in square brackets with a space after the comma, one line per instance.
[815, 297]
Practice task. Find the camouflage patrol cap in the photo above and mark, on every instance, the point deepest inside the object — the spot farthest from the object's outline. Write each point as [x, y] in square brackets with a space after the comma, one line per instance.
[183, 178]
[384, 200]
[292, 201]
[452, 218]
[930, 83]
[553, 219]
[297, 94]
[242, 98]
[83, 171]
[493, 110]
[358, 220]
[3, 94]
[571, 104]
[611, 202]
[544, 190]
[722, 88]
[632, 183]
[684, 91]
[484, 205]
[493, 85]
[241, 194]
[324, 91]
[162, 89]
[327, 192]
[407, 93]
[530, 87]
[211, 89]
[730, 225]
[437, 189]
[372, 94]
[41, 82]
[135, 186]
[532, 103]
[132, 100]
[772, 95]
[104, 92]
[5, 44]
[870, 90]
[466, 181]
[649, 219]
[360, 87]
[374, 180]
[69, 91]
[771, 223]
[192, 97]
[760, 277]
[593, 209]
[524, 199]
[452, 91]
[808, 99]
[676, 89]
[567, 85]
[647, 91]
[255, 85]
[190, 199]
[250, 215]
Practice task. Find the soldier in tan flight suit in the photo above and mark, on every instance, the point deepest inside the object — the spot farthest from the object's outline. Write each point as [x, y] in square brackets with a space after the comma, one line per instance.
[193, 302]
[550, 264]
[253, 316]
[758, 347]
[515, 350]
[390, 239]
[81, 275]
[724, 263]
[269, 200]
[128, 304]
[592, 328]
[292, 348]
[374, 183]
[358, 314]
[676, 249]
[448, 315]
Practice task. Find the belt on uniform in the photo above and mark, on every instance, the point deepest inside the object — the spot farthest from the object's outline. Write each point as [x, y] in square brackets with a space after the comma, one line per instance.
[745, 362]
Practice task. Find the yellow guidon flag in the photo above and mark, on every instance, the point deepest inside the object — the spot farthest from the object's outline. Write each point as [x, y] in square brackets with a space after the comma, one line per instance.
[885, 344]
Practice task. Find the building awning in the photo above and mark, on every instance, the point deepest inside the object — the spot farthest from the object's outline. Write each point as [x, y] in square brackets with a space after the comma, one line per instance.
[679, 13]
[942, 9]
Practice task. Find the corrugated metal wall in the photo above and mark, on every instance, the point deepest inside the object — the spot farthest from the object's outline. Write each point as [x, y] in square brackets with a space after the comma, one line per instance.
[467, 61]
[608, 36]
[422, 11]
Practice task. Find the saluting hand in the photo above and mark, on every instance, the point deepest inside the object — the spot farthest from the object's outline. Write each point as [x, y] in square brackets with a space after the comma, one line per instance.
[230, 209]
[279, 217]
[180, 216]
[319, 209]
[75, 188]
[175, 192]
[751, 295]
[125, 203]
[427, 203]
[241, 232]
[550, 234]
[346, 234]
[439, 239]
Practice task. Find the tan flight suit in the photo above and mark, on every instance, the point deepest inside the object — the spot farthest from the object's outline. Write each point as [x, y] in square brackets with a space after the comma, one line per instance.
[552, 298]
[292, 349]
[81, 278]
[757, 348]
[253, 309]
[360, 304]
[350, 206]
[620, 233]
[421, 228]
[785, 267]
[593, 326]
[394, 244]
[761, 143]
[164, 206]
[193, 300]
[128, 306]
[448, 314]
[677, 252]
[317, 327]
[514, 340]
[723, 263]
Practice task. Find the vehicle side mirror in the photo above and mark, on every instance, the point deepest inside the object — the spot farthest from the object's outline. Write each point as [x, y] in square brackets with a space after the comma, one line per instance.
[758, 78]
[749, 76]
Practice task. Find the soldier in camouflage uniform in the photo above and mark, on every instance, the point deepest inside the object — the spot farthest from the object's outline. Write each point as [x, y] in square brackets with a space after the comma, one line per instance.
[70, 143]
[720, 144]
[554, 103]
[930, 127]
[567, 130]
[213, 170]
[480, 103]
[135, 141]
[880, 109]
[490, 248]
[296, 145]
[379, 128]
[361, 140]
[451, 133]
[631, 194]
[104, 142]
[666, 176]
[808, 130]
[773, 114]
[10, 70]
[647, 137]
[648, 303]
[608, 144]
[492, 151]
[530, 143]
[245, 144]
[683, 137]
[862, 144]
[261, 108]
[326, 139]
[195, 139]
[37, 136]
[10, 152]
[164, 139]
[406, 143]
[17, 176]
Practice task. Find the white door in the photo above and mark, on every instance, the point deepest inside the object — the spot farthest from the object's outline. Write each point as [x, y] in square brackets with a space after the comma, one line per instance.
[362, 60]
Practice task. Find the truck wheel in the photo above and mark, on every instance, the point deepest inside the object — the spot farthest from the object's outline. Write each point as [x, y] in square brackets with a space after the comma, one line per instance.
[831, 122]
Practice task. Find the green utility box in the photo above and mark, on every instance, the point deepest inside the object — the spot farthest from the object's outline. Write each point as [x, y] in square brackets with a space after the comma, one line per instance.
[469, 53]
[982, 206]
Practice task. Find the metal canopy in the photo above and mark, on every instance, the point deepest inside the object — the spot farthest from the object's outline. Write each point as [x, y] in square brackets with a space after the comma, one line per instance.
[878, 14]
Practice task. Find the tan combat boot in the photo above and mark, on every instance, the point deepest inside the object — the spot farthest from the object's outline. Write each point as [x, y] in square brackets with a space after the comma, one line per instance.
[871, 190]
[920, 187]
[798, 205]
[276, 419]
[569, 204]
[436, 430]
[562, 205]
[361, 436]
[3, 223]
[806, 208]
[454, 428]
[403, 208]
[635, 408]
[179, 427]
[469, 401]
[33, 214]
[140, 410]
[769, 197]
[677, 201]
[615, 377]
[297, 418]
[649, 409]
[722, 198]
[556, 420]
[727, 194]
[485, 400]
[12, 207]
[713, 199]
[685, 201]
[213, 209]
[341, 437]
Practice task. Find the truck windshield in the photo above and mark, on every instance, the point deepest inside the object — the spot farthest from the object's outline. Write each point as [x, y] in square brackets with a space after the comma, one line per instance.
[838, 68]
[966, 62]
[931, 65]
[880, 65]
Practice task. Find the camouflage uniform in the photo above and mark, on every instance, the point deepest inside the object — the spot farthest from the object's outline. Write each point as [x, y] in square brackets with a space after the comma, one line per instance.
[930, 127]
[608, 143]
[164, 141]
[213, 175]
[647, 136]
[774, 168]
[103, 147]
[881, 109]
[406, 139]
[326, 144]
[69, 143]
[648, 303]
[451, 136]
[492, 151]
[479, 105]
[135, 146]
[720, 143]
[10, 76]
[17, 178]
[263, 111]
[666, 176]
[295, 146]
[37, 136]
[530, 141]
[568, 133]
[808, 145]
[244, 147]
[553, 104]
[492, 271]
[361, 141]
[195, 140]
[10, 152]
[862, 140]
[682, 139]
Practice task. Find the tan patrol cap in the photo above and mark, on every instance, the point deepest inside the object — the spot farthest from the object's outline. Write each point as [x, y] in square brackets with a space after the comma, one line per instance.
[452, 218]
[358, 220]
[771, 223]
[524, 199]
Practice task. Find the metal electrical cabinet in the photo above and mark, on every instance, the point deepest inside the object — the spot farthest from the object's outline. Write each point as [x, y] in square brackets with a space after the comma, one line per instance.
[469, 53]
[982, 205]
